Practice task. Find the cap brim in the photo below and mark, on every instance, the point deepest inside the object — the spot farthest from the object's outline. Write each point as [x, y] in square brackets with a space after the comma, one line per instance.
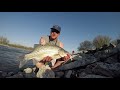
[54, 29]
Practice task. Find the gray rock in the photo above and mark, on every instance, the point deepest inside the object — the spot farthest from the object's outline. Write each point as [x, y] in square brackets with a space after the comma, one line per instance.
[18, 75]
[107, 69]
[28, 70]
[10, 74]
[82, 62]
[94, 76]
[45, 72]
[30, 75]
[59, 74]
[1, 74]
[4, 74]
[82, 74]
[68, 74]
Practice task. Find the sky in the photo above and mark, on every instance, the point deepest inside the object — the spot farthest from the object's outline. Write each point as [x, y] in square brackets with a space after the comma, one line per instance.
[26, 28]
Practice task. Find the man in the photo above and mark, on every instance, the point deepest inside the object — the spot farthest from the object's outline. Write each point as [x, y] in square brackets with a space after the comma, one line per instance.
[52, 39]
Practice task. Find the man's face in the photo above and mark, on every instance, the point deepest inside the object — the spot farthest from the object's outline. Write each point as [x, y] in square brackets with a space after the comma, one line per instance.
[54, 34]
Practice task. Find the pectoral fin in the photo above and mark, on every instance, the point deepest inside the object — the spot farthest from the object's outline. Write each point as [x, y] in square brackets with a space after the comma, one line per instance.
[53, 62]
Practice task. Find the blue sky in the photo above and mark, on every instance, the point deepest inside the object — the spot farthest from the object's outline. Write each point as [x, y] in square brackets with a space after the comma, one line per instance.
[26, 28]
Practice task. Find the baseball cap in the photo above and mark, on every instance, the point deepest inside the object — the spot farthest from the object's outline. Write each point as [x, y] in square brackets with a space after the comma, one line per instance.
[56, 27]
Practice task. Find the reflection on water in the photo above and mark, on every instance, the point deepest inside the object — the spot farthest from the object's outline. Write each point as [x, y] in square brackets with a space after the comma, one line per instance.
[9, 60]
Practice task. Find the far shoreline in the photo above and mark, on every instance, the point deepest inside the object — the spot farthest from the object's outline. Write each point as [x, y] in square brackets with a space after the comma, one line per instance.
[27, 48]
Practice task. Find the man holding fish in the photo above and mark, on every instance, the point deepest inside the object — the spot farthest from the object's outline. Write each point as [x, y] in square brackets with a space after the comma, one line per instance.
[53, 40]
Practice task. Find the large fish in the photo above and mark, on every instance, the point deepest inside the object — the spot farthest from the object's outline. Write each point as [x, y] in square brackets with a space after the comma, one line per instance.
[40, 52]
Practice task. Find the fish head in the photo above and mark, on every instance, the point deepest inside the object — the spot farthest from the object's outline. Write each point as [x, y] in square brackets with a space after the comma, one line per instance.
[62, 52]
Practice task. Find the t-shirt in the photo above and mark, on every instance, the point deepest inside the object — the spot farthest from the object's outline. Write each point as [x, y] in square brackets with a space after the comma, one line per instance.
[52, 42]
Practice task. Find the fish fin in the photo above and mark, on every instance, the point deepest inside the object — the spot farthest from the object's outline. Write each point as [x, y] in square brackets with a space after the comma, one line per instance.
[53, 62]
[34, 62]
[22, 63]
[21, 57]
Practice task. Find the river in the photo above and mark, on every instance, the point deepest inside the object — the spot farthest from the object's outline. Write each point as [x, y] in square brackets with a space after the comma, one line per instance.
[9, 58]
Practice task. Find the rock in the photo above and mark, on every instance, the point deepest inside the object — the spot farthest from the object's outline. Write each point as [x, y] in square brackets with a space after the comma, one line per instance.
[30, 75]
[74, 74]
[45, 72]
[1, 74]
[82, 74]
[94, 76]
[10, 74]
[4, 74]
[59, 74]
[107, 69]
[89, 68]
[68, 74]
[28, 70]
[18, 75]
[111, 60]
[82, 62]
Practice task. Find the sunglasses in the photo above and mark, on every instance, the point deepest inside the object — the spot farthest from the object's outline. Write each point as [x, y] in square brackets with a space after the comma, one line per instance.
[55, 31]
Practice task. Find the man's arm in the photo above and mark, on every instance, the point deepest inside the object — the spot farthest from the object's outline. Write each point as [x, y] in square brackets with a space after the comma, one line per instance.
[61, 45]
[42, 41]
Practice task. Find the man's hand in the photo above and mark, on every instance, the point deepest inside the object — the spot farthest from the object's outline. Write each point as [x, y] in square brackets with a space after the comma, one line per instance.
[66, 58]
[47, 59]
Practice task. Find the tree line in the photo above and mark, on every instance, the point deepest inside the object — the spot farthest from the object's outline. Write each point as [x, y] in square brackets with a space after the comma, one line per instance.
[97, 42]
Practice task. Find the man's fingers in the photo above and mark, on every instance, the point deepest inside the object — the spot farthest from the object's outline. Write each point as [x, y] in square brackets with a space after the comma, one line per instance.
[44, 59]
[68, 55]
[48, 58]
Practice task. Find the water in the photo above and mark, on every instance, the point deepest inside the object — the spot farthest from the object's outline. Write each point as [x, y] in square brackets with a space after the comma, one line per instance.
[9, 61]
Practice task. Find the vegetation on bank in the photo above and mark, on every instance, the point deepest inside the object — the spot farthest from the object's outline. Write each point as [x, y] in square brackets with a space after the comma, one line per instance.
[4, 41]
[97, 42]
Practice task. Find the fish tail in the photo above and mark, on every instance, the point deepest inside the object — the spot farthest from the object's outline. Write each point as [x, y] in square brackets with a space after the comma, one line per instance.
[22, 63]
[21, 57]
